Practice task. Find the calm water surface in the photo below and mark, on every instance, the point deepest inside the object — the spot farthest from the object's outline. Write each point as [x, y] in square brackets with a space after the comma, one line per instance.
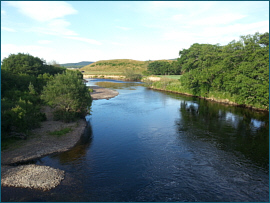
[145, 145]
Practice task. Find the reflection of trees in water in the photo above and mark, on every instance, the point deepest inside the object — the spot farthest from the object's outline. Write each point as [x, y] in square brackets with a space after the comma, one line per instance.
[117, 85]
[80, 149]
[229, 128]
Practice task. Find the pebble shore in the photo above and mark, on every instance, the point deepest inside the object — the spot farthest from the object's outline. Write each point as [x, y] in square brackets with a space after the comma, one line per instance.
[40, 144]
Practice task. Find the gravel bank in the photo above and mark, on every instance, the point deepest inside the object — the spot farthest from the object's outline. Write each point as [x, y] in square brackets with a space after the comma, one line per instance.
[32, 176]
[102, 93]
[40, 144]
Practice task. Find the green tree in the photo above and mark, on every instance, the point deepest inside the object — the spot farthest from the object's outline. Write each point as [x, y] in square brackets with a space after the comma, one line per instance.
[164, 68]
[68, 94]
[240, 69]
[27, 64]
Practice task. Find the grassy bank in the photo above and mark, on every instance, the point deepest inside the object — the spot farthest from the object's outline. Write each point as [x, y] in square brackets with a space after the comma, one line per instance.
[174, 85]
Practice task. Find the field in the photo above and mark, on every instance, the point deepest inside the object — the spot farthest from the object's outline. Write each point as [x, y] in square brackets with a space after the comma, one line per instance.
[176, 77]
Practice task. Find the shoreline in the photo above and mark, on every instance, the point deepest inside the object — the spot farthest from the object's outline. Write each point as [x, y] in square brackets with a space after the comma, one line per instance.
[223, 101]
[16, 167]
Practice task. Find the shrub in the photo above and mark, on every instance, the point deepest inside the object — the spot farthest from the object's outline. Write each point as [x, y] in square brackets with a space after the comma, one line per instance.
[131, 75]
[68, 94]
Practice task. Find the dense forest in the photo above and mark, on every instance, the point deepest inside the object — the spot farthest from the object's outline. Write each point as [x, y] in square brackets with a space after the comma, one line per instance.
[164, 68]
[27, 83]
[238, 72]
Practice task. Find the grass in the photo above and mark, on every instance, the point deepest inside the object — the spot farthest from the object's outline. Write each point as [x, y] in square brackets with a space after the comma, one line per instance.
[170, 84]
[176, 77]
[90, 90]
[115, 67]
[61, 132]
[11, 143]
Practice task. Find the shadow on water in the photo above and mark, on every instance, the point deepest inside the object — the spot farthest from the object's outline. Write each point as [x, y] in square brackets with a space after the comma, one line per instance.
[118, 85]
[228, 128]
[78, 152]
[67, 161]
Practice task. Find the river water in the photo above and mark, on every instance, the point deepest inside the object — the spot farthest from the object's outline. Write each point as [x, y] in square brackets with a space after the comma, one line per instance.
[146, 145]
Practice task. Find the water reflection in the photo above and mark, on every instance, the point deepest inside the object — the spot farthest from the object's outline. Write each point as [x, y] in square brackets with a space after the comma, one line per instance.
[235, 130]
[154, 146]
[78, 152]
[114, 85]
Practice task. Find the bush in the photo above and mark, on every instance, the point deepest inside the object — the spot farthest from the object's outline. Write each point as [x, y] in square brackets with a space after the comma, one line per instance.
[131, 75]
[68, 94]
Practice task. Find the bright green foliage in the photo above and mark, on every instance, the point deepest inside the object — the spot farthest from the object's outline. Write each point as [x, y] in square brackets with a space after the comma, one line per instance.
[68, 94]
[240, 68]
[22, 79]
[61, 132]
[237, 72]
[20, 103]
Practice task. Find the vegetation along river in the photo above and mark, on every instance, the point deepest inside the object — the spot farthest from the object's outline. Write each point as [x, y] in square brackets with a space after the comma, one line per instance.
[146, 145]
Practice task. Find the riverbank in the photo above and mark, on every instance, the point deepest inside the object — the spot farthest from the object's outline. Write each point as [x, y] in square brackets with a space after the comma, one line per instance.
[41, 143]
[115, 77]
[224, 101]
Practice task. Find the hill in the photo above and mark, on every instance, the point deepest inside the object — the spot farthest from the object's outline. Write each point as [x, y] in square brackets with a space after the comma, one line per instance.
[116, 66]
[76, 65]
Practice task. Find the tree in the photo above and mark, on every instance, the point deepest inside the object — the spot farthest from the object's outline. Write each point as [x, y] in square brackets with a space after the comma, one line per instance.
[68, 94]
[27, 64]
[164, 68]
[240, 69]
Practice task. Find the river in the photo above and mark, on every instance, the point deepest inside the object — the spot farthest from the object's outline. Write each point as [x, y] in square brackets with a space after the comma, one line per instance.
[152, 146]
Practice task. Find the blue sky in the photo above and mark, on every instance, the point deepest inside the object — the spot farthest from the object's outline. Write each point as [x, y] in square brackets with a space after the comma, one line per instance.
[75, 31]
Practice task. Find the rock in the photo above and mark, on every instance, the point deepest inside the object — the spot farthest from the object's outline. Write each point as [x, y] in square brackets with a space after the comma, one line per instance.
[32, 176]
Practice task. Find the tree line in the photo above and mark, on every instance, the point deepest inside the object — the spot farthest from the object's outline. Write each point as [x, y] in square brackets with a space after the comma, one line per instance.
[163, 68]
[239, 70]
[28, 83]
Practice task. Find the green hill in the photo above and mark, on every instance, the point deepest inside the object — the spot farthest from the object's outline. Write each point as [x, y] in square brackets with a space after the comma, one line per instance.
[116, 67]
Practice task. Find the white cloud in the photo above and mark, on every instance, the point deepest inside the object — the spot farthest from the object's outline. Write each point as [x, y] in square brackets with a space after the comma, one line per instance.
[215, 34]
[194, 8]
[3, 12]
[237, 29]
[8, 29]
[90, 41]
[49, 13]
[56, 27]
[220, 19]
[44, 42]
[43, 11]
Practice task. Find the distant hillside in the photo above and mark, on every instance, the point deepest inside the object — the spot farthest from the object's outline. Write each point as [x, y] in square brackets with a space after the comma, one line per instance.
[76, 65]
[115, 67]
